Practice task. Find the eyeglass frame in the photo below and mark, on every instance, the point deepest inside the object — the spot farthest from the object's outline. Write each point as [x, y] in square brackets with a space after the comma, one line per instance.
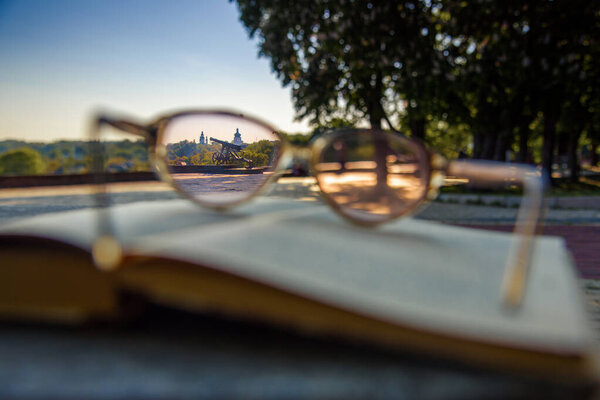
[518, 262]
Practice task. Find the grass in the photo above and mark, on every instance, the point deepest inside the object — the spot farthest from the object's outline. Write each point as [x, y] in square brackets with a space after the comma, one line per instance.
[561, 187]
[585, 187]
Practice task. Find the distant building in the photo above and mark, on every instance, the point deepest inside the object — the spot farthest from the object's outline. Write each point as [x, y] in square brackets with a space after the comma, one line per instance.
[237, 137]
[202, 139]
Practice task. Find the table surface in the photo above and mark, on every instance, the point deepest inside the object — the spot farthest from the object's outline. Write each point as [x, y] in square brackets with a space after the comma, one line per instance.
[165, 353]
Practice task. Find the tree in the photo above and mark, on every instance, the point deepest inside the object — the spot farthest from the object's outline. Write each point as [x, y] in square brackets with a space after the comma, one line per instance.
[258, 159]
[522, 59]
[347, 59]
[498, 67]
[260, 152]
[21, 161]
[562, 34]
[590, 97]
[488, 44]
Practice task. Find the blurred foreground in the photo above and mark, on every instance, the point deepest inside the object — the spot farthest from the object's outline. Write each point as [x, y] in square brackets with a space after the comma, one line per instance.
[166, 353]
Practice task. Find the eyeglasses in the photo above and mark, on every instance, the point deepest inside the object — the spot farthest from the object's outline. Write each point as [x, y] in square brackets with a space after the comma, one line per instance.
[368, 176]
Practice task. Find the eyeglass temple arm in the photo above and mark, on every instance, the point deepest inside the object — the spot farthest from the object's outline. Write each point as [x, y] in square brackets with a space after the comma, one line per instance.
[133, 128]
[520, 253]
[106, 250]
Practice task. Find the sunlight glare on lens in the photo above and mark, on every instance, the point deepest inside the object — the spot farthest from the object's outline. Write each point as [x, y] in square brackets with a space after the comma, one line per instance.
[350, 175]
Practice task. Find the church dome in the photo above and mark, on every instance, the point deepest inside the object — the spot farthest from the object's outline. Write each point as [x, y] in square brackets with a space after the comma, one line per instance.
[237, 137]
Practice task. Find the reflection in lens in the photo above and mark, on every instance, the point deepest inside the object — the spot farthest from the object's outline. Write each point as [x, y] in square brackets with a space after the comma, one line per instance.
[373, 175]
[219, 159]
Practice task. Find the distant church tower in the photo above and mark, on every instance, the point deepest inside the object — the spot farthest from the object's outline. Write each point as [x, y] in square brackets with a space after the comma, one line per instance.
[202, 138]
[237, 137]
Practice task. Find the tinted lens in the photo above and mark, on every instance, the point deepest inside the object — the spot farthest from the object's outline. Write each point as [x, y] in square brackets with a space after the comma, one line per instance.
[373, 176]
[219, 159]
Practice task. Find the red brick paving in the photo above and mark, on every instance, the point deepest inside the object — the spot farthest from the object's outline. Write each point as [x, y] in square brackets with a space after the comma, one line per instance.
[582, 241]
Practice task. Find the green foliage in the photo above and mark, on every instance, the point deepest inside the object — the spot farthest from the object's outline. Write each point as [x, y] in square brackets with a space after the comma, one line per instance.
[121, 156]
[184, 148]
[348, 59]
[259, 159]
[260, 152]
[190, 153]
[21, 161]
[562, 187]
[334, 123]
[518, 60]
[449, 140]
[297, 139]
[73, 157]
[485, 76]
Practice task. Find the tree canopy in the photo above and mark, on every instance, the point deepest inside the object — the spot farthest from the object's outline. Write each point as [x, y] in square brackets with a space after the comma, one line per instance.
[348, 59]
[506, 73]
[21, 161]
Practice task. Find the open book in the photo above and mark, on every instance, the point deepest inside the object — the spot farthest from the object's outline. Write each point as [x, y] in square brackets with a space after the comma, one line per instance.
[412, 285]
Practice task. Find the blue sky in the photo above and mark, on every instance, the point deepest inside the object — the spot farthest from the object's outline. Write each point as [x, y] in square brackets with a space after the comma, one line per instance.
[62, 59]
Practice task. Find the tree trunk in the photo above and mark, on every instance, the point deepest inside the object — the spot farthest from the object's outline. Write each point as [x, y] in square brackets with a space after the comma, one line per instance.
[477, 145]
[376, 114]
[417, 128]
[503, 142]
[375, 117]
[489, 145]
[524, 133]
[573, 162]
[550, 119]
[562, 148]
[594, 150]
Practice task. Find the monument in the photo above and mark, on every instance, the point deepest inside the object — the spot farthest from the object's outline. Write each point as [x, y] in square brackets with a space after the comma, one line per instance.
[237, 138]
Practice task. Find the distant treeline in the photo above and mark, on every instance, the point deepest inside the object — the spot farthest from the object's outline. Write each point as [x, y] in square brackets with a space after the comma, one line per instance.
[18, 157]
